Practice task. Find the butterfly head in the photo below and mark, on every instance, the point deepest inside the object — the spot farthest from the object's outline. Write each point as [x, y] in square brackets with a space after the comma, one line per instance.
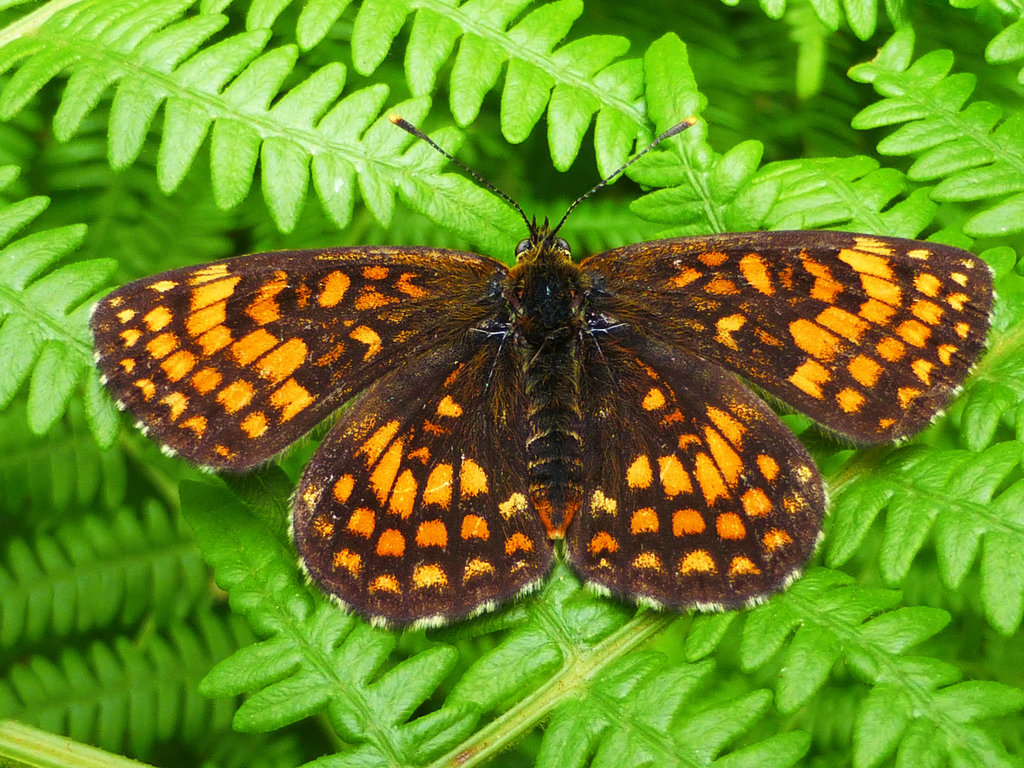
[542, 245]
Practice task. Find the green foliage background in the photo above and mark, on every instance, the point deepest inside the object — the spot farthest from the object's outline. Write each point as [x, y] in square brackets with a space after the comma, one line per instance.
[141, 135]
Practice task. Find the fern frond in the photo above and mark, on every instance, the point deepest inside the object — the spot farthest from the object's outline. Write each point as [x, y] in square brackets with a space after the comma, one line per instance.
[314, 657]
[582, 80]
[97, 573]
[225, 88]
[972, 501]
[975, 153]
[126, 695]
[43, 314]
[860, 15]
[916, 708]
[59, 472]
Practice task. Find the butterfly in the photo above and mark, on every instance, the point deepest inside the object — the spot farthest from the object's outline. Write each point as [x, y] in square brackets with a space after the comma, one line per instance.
[497, 410]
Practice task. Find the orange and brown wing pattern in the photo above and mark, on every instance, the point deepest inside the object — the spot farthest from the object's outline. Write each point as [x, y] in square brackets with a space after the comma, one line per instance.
[696, 494]
[228, 363]
[869, 336]
[415, 509]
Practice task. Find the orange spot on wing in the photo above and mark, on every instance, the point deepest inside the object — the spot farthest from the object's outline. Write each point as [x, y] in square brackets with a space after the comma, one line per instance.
[197, 424]
[653, 400]
[890, 349]
[602, 542]
[252, 345]
[914, 333]
[743, 566]
[866, 263]
[687, 522]
[756, 503]
[727, 425]
[179, 364]
[162, 345]
[684, 277]
[370, 338]
[647, 561]
[391, 543]
[769, 467]
[729, 462]
[157, 318]
[432, 533]
[290, 398]
[808, 377]
[755, 271]
[813, 339]
[849, 400]
[476, 567]
[438, 489]
[711, 483]
[214, 340]
[362, 522]
[472, 479]
[730, 526]
[211, 293]
[726, 327]
[644, 520]
[430, 575]
[448, 407]
[178, 403]
[383, 475]
[332, 288]
[776, 538]
[844, 323]
[343, 487]
[697, 561]
[255, 424]
[864, 370]
[385, 583]
[375, 272]
[674, 479]
[517, 542]
[406, 286]
[283, 361]
[375, 444]
[348, 561]
[235, 396]
[639, 474]
[403, 495]
[474, 527]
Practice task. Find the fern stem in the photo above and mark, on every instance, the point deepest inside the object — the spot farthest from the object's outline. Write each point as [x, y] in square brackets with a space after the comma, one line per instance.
[24, 745]
[33, 21]
[576, 675]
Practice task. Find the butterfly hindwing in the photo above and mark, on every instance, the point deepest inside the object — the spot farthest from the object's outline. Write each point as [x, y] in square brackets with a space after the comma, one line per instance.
[228, 363]
[696, 493]
[869, 336]
[415, 508]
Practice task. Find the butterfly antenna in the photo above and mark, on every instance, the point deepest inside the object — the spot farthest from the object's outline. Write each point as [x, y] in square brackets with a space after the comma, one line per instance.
[408, 127]
[677, 128]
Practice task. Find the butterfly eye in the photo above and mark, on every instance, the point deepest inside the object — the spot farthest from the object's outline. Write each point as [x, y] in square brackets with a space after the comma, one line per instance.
[523, 247]
[561, 244]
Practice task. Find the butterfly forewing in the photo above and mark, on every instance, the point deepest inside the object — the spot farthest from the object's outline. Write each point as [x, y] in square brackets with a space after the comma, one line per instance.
[697, 495]
[868, 335]
[415, 508]
[230, 362]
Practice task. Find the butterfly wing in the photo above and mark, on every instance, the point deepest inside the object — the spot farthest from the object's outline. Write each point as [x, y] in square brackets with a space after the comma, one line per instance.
[415, 508]
[697, 495]
[869, 336]
[228, 363]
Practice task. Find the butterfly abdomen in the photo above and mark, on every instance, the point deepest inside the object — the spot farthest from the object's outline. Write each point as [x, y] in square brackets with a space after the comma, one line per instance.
[554, 450]
[548, 317]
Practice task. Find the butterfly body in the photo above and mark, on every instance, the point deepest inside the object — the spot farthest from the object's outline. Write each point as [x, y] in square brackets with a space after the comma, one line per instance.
[547, 294]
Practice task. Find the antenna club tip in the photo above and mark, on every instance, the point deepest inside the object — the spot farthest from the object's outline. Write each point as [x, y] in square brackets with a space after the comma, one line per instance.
[395, 118]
